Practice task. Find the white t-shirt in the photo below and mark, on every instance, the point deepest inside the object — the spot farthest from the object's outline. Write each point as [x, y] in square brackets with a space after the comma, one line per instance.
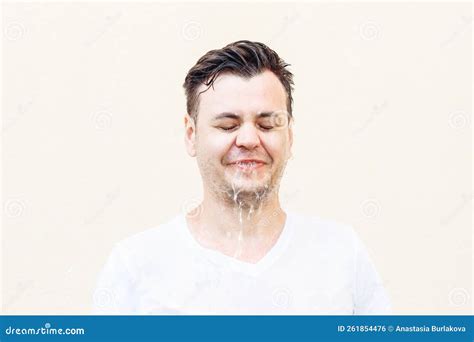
[317, 267]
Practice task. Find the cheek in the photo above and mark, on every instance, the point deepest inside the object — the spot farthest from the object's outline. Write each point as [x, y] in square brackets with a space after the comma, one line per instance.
[213, 146]
[277, 146]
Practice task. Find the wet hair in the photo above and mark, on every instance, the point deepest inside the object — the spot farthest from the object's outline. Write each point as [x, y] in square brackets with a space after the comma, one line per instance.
[242, 58]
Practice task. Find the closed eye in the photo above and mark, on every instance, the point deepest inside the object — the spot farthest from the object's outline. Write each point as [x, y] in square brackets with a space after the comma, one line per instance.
[227, 128]
[265, 127]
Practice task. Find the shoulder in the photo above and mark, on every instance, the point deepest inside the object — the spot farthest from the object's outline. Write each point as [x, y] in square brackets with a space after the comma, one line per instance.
[156, 240]
[323, 230]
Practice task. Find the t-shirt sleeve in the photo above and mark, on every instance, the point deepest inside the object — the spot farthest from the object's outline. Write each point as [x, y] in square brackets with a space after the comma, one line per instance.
[114, 292]
[370, 295]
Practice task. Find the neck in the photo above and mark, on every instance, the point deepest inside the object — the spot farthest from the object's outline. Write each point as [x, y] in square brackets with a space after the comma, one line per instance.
[243, 227]
[250, 214]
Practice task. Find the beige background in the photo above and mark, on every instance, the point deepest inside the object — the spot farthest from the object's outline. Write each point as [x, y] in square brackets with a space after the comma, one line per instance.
[93, 139]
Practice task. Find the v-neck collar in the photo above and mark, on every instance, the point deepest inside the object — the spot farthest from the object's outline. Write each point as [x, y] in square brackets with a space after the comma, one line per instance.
[253, 269]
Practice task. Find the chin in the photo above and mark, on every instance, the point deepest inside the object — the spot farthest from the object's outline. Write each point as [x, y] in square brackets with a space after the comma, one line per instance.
[251, 187]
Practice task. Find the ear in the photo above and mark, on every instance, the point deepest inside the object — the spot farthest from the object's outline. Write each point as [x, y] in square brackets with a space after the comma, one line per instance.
[290, 137]
[190, 135]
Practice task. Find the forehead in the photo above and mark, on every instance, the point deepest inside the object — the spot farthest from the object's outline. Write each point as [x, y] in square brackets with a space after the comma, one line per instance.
[232, 93]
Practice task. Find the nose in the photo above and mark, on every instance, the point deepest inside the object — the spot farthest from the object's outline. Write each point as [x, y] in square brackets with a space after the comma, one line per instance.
[247, 137]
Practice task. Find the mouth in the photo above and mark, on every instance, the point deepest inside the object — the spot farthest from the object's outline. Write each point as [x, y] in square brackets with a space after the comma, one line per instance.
[248, 164]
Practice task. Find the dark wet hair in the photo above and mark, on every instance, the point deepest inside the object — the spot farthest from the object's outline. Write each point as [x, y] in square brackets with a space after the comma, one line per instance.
[242, 58]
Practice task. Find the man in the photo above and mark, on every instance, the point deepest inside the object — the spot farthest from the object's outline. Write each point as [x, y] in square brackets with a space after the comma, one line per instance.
[239, 252]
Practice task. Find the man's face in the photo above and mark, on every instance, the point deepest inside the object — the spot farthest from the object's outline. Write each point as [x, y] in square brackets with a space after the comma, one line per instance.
[242, 138]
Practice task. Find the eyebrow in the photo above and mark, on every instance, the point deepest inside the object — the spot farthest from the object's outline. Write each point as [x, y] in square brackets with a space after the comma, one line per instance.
[231, 115]
[226, 115]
